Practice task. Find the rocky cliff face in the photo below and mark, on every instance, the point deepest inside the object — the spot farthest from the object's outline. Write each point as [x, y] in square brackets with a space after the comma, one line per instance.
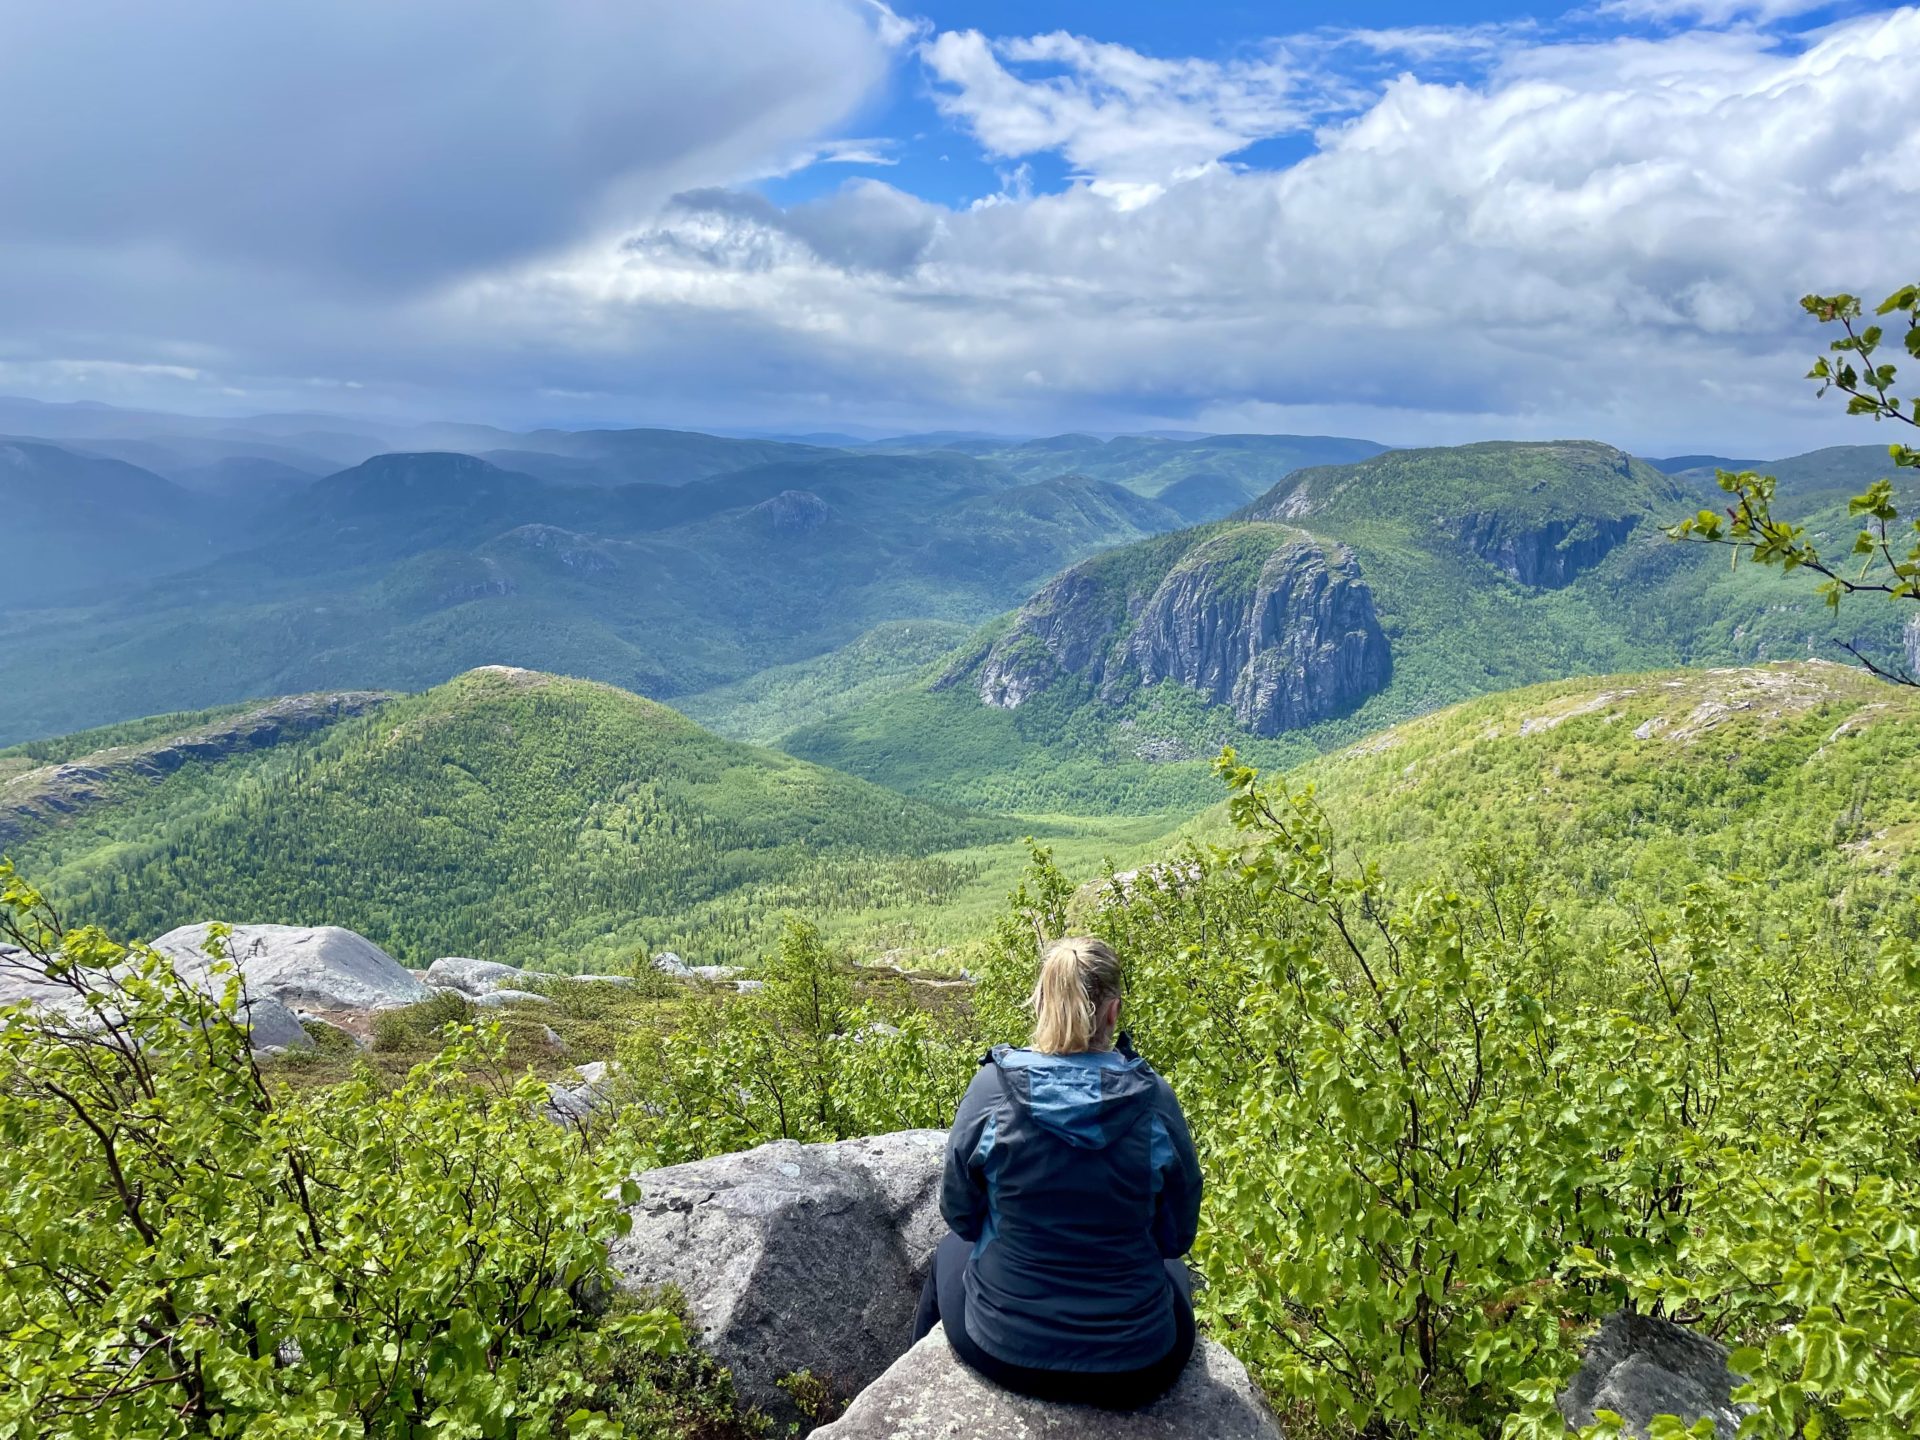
[793, 512]
[1068, 627]
[1264, 619]
[1282, 645]
[1546, 554]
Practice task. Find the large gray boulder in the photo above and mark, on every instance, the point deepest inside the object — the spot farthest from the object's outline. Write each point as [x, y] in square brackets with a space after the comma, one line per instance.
[1639, 1367]
[471, 977]
[321, 967]
[794, 1256]
[270, 1024]
[928, 1394]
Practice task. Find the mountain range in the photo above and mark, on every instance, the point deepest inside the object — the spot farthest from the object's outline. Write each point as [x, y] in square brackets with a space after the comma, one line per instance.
[1069, 623]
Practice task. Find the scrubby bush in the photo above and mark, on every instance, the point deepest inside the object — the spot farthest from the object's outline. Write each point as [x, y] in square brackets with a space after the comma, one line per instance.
[186, 1249]
[800, 1058]
[1441, 1138]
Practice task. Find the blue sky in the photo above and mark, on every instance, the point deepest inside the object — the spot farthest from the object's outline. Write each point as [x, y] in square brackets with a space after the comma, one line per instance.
[1433, 222]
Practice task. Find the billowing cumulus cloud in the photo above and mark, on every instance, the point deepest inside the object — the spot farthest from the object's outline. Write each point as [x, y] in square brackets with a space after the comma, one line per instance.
[1506, 231]
[1604, 238]
[1127, 122]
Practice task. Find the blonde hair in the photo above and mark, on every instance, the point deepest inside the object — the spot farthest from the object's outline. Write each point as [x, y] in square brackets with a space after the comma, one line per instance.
[1077, 976]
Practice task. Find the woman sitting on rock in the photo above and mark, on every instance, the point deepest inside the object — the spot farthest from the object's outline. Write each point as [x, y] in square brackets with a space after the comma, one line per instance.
[1072, 1190]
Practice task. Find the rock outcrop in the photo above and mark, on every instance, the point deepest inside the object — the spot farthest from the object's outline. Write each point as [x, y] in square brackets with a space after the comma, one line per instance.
[929, 1395]
[1546, 554]
[794, 1256]
[1263, 619]
[793, 512]
[471, 977]
[319, 968]
[579, 1103]
[271, 1026]
[55, 793]
[1639, 1367]
[1283, 634]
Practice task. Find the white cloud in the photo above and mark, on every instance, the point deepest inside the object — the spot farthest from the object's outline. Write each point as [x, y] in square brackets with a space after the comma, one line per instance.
[1129, 123]
[1604, 238]
[1709, 12]
[1520, 235]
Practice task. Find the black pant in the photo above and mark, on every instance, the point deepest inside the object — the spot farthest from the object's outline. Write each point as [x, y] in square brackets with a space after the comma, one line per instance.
[943, 1299]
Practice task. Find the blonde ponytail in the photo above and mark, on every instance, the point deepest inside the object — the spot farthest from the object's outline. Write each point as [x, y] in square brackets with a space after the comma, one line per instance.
[1077, 976]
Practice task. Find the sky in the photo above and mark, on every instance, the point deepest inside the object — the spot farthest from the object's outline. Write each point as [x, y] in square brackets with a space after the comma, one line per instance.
[1417, 223]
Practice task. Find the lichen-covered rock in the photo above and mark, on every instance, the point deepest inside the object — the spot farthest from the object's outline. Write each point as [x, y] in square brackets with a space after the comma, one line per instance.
[471, 977]
[794, 1256]
[322, 967]
[494, 999]
[928, 1394]
[1639, 1367]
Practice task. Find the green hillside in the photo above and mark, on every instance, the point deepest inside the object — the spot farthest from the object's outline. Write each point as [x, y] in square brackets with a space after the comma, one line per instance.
[1489, 567]
[516, 816]
[769, 704]
[1805, 775]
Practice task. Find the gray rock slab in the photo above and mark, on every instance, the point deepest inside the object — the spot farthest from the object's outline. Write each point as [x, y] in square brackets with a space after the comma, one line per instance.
[794, 1256]
[928, 1394]
[321, 967]
[270, 1024]
[1639, 1367]
[494, 999]
[472, 977]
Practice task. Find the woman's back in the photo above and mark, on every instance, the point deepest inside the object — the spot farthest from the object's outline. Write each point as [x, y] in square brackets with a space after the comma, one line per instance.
[1074, 1178]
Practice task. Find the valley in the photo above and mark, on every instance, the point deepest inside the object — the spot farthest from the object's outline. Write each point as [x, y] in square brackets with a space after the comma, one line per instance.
[640, 798]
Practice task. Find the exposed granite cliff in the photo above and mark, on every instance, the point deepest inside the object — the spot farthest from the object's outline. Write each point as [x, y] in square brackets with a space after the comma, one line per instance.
[1542, 513]
[1263, 619]
[1547, 553]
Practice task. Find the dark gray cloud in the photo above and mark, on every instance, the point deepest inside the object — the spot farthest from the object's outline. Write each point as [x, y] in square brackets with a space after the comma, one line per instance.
[383, 144]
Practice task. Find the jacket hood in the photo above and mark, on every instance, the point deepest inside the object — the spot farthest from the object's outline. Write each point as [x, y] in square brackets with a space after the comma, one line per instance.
[1089, 1100]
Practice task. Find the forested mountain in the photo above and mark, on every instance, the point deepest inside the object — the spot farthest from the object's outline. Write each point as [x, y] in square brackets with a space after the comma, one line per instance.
[409, 567]
[73, 518]
[1344, 599]
[506, 814]
[1201, 477]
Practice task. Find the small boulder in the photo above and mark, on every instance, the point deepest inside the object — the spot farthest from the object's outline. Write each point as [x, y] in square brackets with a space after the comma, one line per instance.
[312, 968]
[794, 1256]
[577, 1104]
[1639, 1367]
[928, 1394]
[494, 999]
[471, 977]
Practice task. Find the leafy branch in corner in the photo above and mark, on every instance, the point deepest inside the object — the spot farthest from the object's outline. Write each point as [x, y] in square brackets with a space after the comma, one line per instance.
[1749, 524]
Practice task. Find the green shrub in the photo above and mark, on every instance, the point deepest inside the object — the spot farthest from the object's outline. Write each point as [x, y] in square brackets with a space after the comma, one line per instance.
[418, 1027]
[185, 1249]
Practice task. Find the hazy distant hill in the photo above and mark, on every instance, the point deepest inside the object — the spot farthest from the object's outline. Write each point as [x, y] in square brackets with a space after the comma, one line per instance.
[398, 571]
[74, 525]
[1199, 477]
